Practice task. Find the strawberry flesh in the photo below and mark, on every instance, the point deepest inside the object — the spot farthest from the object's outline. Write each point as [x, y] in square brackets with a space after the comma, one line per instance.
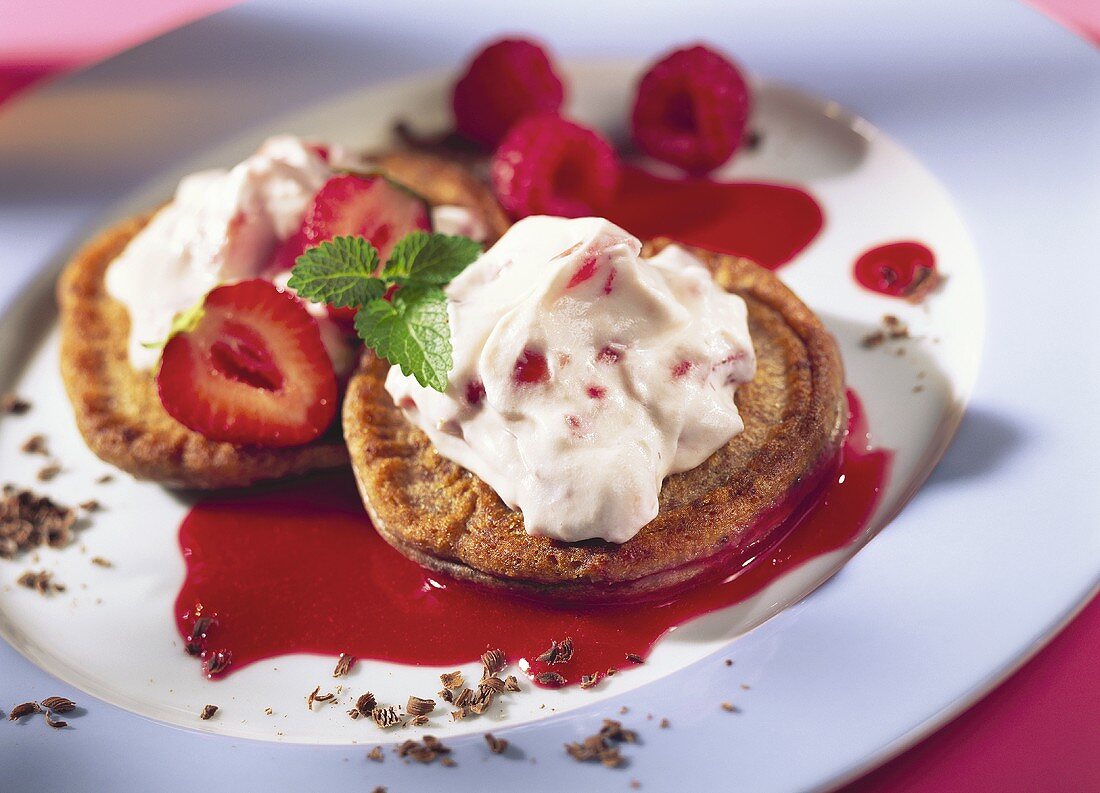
[353, 205]
[253, 370]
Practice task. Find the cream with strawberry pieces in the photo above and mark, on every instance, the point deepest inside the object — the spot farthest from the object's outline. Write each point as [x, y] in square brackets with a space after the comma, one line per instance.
[584, 374]
[249, 224]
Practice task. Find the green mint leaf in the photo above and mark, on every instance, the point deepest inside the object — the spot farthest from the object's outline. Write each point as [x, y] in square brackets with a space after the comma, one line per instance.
[430, 258]
[339, 272]
[411, 330]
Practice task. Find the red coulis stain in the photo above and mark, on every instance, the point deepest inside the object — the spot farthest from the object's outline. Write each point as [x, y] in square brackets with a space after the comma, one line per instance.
[898, 269]
[767, 223]
[298, 568]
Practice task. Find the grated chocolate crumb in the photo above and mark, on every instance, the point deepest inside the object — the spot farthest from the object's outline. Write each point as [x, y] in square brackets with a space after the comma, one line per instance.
[35, 444]
[552, 679]
[587, 681]
[493, 661]
[558, 653]
[343, 665]
[42, 582]
[376, 754]
[452, 679]
[511, 684]
[22, 710]
[99, 561]
[14, 405]
[59, 704]
[28, 520]
[48, 472]
[385, 717]
[496, 745]
[419, 707]
[208, 712]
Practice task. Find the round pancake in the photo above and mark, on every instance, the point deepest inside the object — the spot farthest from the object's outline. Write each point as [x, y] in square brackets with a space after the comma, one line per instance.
[117, 408]
[447, 519]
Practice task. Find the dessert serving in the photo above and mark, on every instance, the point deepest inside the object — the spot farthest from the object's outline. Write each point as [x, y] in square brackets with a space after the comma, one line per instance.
[592, 446]
[250, 392]
[559, 396]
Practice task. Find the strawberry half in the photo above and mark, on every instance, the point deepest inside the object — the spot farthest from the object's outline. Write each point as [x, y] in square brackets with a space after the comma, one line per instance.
[350, 204]
[251, 370]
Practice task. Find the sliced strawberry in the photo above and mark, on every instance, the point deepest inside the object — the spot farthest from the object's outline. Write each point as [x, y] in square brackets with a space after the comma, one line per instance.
[350, 204]
[252, 370]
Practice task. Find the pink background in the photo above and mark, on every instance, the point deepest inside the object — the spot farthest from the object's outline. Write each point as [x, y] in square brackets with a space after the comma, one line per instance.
[1038, 731]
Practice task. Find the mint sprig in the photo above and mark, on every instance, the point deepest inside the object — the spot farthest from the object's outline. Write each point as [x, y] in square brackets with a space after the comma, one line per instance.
[402, 311]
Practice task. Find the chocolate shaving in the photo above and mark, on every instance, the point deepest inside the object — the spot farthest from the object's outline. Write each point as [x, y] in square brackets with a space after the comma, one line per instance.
[664, 725]
[496, 745]
[376, 754]
[25, 709]
[446, 695]
[343, 665]
[35, 444]
[196, 641]
[365, 704]
[872, 340]
[14, 405]
[493, 661]
[48, 472]
[461, 713]
[42, 582]
[419, 707]
[424, 751]
[494, 683]
[587, 681]
[217, 662]
[419, 721]
[729, 707]
[59, 704]
[611, 672]
[90, 505]
[602, 746]
[385, 717]
[552, 679]
[99, 561]
[634, 658]
[208, 712]
[57, 724]
[729, 662]
[28, 520]
[464, 698]
[105, 479]
[614, 731]
[558, 653]
[511, 684]
[447, 761]
[452, 679]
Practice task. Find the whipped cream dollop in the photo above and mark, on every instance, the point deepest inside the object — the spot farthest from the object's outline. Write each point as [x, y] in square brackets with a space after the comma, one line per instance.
[223, 226]
[584, 375]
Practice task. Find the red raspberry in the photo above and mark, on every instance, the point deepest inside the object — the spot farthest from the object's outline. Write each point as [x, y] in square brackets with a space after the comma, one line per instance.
[691, 110]
[549, 166]
[506, 81]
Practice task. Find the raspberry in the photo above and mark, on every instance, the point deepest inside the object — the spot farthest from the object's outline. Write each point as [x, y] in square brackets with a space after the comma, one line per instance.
[691, 109]
[549, 166]
[506, 81]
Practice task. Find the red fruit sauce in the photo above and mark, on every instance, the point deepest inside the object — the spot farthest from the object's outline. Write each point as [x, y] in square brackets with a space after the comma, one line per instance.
[899, 269]
[297, 568]
[767, 223]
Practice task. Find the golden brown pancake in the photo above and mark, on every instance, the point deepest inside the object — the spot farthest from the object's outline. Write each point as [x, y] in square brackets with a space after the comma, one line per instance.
[117, 408]
[447, 519]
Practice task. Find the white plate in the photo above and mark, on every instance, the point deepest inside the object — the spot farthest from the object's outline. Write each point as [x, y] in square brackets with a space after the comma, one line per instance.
[872, 192]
